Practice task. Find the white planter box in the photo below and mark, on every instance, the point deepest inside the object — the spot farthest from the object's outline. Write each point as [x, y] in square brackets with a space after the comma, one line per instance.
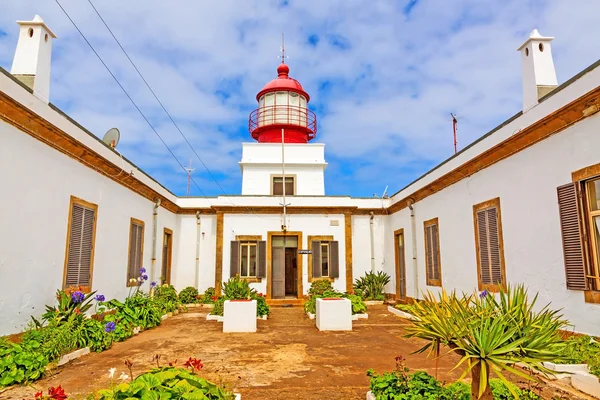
[569, 368]
[374, 302]
[73, 355]
[370, 396]
[401, 313]
[211, 317]
[263, 317]
[239, 316]
[238, 396]
[311, 315]
[334, 315]
[587, 383]
[356, 317]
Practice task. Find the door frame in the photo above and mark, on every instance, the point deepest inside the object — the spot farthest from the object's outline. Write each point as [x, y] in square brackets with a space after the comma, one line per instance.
[397, 255]
[169, 254]
[270, 235]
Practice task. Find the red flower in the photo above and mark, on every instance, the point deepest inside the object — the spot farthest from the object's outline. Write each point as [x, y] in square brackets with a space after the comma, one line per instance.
[172, 364]
[39, 395]
[214, 298]
[194, 363]
[57, 393]
[77, 311]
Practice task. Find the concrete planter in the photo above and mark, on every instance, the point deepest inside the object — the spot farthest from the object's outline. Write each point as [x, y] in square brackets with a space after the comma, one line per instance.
[238, 396]
[239, 316]
[374, 302]
[164, 317]
[334, 314]
[587, 383]
[73, 355]
[310, 315]
[370, 396]
[401, 313]
[263, 317]
[211, 317]
[569, 368]
[356, 317]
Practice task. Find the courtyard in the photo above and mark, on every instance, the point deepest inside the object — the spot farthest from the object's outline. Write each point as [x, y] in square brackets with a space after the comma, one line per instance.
[288, 358]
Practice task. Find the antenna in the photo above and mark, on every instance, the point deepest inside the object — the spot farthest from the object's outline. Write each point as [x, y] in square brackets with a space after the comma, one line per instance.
[384, 195]
[454, 126]
[189, 171]
[283, 56]
[111, 138]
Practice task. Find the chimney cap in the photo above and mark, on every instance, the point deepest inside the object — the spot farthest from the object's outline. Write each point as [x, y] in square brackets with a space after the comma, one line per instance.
[37, 21]
[535, 35]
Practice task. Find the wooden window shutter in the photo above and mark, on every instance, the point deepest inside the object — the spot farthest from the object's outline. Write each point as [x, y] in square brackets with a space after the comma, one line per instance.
[432, 254]
[572, 236]
[316, 259]
[334, 259]
[80, 246]
[262, 259]
[234, 260]
[488, 237]
[136, 239]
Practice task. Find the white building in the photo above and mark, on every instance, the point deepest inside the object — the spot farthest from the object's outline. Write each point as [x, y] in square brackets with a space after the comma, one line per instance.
[519, 205]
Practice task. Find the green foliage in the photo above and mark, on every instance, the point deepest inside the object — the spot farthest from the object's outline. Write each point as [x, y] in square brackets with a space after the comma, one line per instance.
[92, 335]
[319, 286]
[66, 308]
[165, 297]
[405, 307]
[138, 310]
[188, 295]
[358, 305]
[400, 385]
[504, 391]
[166, 383]
[239, 289]
[55, 341]
[20, 363]
[372, 285]
[491, 334]
[218, 308]
[261, 305]
[583, 350]
[207, 297]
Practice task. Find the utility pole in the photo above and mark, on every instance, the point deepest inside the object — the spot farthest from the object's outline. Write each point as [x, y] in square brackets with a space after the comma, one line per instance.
[189, 171]
[283, 225]
[454, 126]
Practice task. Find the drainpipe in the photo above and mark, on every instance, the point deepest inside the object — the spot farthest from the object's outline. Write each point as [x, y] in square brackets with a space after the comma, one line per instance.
[372, 243]
[197, 276]
[413, 229]
[154, 229]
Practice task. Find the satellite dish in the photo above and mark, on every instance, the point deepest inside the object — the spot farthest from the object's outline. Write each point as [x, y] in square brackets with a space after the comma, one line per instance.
[111, 138]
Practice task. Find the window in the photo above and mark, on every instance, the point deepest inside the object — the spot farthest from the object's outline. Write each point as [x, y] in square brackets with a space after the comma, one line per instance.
[81, 231]
[136, 249]
[278, 186]
[324, 258]
[491, 272]
[593, 211]
[248, 259]
[432, 253]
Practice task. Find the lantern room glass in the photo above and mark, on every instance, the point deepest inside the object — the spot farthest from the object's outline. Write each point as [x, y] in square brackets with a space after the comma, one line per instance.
[282, 107]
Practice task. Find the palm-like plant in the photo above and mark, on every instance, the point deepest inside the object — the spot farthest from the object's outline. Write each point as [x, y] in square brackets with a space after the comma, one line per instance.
[372, 285]
[491, 333]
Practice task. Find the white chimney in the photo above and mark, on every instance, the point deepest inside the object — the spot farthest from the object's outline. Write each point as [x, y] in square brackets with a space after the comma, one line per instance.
[539, 76]
[31, 64]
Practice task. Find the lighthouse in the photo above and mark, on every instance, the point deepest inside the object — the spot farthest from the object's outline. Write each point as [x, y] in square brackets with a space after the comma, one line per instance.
[283, 124]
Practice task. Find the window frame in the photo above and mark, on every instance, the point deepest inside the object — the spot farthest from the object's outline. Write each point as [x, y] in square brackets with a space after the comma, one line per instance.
[76, 200]
[272, 181]
[322, 239]
[592, 259]
[132, 222]
[256, 239]
[426, 224]
[248, 244]
[493, 203]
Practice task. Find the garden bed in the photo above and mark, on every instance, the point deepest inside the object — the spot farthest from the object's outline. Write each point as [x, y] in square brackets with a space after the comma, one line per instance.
[73, 355]
[401, 313]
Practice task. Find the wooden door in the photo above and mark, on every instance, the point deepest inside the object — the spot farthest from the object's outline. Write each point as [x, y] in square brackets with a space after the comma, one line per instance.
[278, 273]
[167, 253]
[400, 265]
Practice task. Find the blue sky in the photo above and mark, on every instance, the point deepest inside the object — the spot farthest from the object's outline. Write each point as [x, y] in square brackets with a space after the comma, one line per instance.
[383, 76]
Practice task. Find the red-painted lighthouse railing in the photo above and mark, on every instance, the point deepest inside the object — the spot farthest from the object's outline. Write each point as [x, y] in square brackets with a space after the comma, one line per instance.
[299, 124]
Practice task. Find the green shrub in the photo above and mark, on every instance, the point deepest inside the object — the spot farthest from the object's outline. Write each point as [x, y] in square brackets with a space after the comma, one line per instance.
[261, 305]
[92, 334]
[71, 303]
[20, 363]
[218, 307]
[166, 383]
[55, 341]
[166, 298]
[236, 289]
[319, 286]
[405, 307]
[503, 391]
[208, 296]
[583, 350]
[358, 305]
[372, 285]
[189, 295]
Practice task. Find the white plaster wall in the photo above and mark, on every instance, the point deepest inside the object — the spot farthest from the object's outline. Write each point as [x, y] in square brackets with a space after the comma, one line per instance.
[526, 184]
[257, 224]
[185, 273]
[361, 246]
[37, 182]
[309, 180]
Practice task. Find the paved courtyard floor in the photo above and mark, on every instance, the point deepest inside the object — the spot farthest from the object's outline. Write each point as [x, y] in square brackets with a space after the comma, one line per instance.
[288, 358]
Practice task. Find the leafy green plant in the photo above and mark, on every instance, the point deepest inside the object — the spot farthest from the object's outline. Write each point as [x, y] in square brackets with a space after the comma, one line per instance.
[236, 289]
[55, 341]
[138, 310]
[20, 363]
[319, 286]
[261, 304]
[358, 305]
[189, 295]
[70, 302]
[583, 350]
[218, 307]
[166, 383]
[504, 391]
[93, 334]
[490, 334]
[166, 298]
[372, 285]
[404, 307]
[209, 296]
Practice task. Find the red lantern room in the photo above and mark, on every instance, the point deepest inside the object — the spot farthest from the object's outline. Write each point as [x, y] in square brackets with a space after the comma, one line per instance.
[282, 104]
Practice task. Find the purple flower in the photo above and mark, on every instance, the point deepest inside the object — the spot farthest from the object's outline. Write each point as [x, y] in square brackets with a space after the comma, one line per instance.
[100, 297]
[483, 294]
[77, 297]
[145, 277]
[142, 270]
[110, 327]
[153, 284]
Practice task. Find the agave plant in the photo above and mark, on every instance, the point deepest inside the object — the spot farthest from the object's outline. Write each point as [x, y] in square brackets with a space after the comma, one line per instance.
[491, 334]
[372, 285]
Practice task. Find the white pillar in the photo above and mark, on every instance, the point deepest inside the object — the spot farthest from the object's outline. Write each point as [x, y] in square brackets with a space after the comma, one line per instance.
[539, 76]
[31, 64]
